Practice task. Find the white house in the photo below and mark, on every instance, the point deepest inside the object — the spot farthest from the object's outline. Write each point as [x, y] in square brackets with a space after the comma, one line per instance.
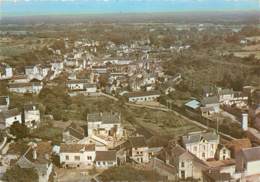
[77, 155]
[105, 124]
[202, 145]
[38, 156]
[31, 87]
[138, 149]
[222, 153]
[37, 71]
[6, 72]
[7, 118]
[32, 116]
[143, 96]
[105, 159]
[81, 87]
[225, 95]
[4, 103]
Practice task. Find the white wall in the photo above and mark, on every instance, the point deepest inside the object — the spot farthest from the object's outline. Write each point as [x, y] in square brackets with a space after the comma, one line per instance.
[11, 120]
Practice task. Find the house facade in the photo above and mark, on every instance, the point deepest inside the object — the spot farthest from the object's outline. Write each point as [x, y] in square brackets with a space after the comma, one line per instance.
[32, 115]
[77, 155]
[202, 145]
[105, 159]
[248, 162]
[4, 103]
[6, 72]
[105, 124]
[138, 150]
[148, 96]
[31, 87]
[7, 118]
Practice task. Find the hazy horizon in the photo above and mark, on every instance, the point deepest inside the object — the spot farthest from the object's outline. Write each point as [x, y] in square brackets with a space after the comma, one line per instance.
[77, 7]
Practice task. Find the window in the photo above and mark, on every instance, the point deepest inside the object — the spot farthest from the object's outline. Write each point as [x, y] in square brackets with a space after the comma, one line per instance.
[104, 163]
[212, 146]
[182, 164]
[76, 158]
[183, 174]
[204, 147]
[67, 157]
[89, 158]
[195, 149]
[224, 151]
[203, 155]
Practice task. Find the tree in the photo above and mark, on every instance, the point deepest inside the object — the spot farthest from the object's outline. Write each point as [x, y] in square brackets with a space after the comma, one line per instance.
[19, 130]
[17, 174]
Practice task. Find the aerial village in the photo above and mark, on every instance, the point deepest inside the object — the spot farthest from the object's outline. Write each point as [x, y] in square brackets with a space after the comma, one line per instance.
[220, 149]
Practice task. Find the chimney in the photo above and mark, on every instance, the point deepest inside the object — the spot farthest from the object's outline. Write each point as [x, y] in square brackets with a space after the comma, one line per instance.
[245, 121]
[34, 153]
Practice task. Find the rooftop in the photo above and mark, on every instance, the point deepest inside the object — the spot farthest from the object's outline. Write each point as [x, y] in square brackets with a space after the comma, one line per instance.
[109, 155]
[197, 137]
[76, 148]
[105, 117]
[137, 142]
[142, 94]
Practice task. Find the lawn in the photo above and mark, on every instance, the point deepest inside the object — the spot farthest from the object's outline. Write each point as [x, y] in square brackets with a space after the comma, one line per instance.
[129, 174]
[48, 133]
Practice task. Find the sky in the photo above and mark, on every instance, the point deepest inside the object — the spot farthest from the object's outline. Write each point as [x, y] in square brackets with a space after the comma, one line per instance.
[66, 7]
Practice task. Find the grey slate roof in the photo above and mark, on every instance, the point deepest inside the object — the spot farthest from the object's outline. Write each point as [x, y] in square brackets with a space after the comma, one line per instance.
[196, 137]
[105, 117]
[209, 100]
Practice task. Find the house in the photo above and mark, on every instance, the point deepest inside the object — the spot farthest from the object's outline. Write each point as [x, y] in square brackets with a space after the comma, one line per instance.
[248, 162]
[143, 96]
[57, 66]
[73, 133]
[186, 164]
[7, 118]
[81, 87]
[222, 152]
[210, 105]
[4, 103]
[77, 155]
[138, 150]
[105, 159]
[38, 72]
[225, 95]
[6, 72]
[32, 115]
[33, 87]
[201, 144]
[38, 156]
[105, 125]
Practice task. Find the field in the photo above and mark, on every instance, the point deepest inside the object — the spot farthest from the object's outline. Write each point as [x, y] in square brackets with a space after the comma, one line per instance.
[244, 54]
